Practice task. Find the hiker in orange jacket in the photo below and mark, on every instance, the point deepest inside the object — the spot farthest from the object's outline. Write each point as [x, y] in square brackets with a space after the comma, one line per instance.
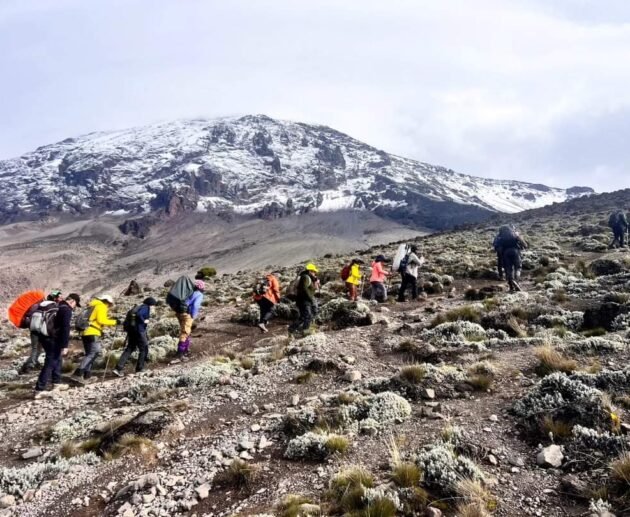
[267, 295]
[377, 280]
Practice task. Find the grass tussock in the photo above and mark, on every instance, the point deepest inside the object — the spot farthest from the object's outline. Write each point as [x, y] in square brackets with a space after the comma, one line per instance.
[471, 510]
[558, 428]
[551, 360]
[337, 444]
[240, 475]
[474, 492]
[344, 398]
[465, 313]
[291, 505]
[480, 381]
[406, 475]
[134, 445]
[413, 373]
[596, 332]
[620, 469]
[304, 377]
[247, 363]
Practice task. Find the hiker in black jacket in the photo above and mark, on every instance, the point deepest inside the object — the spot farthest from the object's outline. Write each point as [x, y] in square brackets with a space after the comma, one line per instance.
[306, 302]
[618, 223]
[511, 244]
[57, 345]
[135, 326]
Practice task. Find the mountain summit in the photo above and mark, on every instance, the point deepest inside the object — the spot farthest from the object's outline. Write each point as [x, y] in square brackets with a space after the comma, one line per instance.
[252, 165]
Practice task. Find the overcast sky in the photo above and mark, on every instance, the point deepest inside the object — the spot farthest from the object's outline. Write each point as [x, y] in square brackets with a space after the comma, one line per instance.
[535, 90]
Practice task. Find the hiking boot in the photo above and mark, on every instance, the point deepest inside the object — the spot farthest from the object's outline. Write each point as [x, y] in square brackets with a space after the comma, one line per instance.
[263, 327]
[117, 372]
[78, 373]
[87, 375]
[26, 369]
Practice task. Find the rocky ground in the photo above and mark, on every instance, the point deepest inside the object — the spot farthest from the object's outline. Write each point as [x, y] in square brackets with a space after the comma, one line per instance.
[472, 401]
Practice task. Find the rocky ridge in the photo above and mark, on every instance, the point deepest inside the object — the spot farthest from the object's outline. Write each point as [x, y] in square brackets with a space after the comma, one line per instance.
[253, 165]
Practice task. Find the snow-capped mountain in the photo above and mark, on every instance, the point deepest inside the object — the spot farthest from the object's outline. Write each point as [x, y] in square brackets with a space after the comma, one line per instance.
[252, 164]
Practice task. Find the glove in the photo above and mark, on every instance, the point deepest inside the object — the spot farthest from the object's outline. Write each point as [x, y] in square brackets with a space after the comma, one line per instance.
[119, 321]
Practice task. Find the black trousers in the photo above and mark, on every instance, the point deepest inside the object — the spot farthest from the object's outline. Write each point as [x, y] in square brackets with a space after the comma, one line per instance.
[500, 263]
[619, 233]
[307, 311]
[266, 310]
[408, 282]
[135, 341]
[512, 264]
[52, 364]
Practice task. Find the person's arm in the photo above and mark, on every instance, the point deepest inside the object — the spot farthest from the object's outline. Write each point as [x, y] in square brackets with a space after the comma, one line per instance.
[64, 317]
[144, 313]
[102, 318]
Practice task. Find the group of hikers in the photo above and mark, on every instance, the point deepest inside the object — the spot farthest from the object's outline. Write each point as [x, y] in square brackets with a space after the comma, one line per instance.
[50, 318]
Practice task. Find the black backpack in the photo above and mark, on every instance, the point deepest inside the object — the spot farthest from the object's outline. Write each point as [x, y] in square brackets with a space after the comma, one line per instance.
[181, 290]
[613, 220]
[83, 319]
[43, 318]
[262, 286]
[404, 262]
[131, 319]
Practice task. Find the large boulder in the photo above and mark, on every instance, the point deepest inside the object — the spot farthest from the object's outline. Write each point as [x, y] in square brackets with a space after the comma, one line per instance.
[602, 316]
[604, 266]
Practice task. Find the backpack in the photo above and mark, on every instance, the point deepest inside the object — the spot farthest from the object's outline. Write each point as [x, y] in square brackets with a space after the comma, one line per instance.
[82, 321]
[43, 318]
[131, 319]
[262, 286]
[404, 262]
[292, 289]
[180, 291]
[613, 220]
[345, 272]
[22, 308]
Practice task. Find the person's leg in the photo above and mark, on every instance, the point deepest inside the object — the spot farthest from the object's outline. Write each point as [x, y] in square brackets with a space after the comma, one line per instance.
[57, 363]
[622, 237]
[266, 310]
[46, 372]
[383, 290]
[143, 351]
[403, 288]
[129, 349]
[185, 328]
[373, 289]
[413, 282]
[95, 351]
[500, 265]
[307, 317]
[87, 347]
[508, 263]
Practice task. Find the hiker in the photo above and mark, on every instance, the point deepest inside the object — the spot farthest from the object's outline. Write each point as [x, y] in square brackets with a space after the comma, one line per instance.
[135, 325]
[56, 346]
[353, 279]
[266, 295]
[193, 304]
[511, 244]
[619, 225]
[408, 268]
[36, 348]
[499, 252]
[377, 280]
[305, 298]
[97, 319]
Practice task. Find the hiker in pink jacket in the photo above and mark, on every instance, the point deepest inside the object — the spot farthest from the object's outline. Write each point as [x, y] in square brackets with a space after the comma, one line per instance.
[377, 280]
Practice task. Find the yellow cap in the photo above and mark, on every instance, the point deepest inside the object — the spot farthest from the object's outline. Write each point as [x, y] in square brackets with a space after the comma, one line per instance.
[312, 267]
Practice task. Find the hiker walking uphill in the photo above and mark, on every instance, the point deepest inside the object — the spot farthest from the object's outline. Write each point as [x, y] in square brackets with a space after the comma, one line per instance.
[408, 268]
[618, 223]
[51, 301]
[511, 244]
[55, 343]
[377, 280]
[92, 321]
[185, 298]
[306, 302]
[266, 295]
[135, 325]
[351, 274]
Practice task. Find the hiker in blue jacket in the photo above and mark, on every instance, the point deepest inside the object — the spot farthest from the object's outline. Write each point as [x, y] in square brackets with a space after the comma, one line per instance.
[135, 325]
[186, 320]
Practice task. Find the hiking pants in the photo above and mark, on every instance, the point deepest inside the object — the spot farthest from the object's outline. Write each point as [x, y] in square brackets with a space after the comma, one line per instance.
[352, 291]
[619, 233]
[378, 292]
[408, 281]
[266, 310]
[512, 264]
[500, 267]
[135, 341]
[92, 346]
[185, 326]
[52, 364]
[306, 310]
[36, 349]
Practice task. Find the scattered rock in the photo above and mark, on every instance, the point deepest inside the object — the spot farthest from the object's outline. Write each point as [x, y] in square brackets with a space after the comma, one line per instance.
[550, 456]
[6, 501]
[352, 376]
[203, 491]
[34, 452]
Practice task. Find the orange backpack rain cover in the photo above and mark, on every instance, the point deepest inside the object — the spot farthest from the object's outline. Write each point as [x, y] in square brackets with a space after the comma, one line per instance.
[22, 304]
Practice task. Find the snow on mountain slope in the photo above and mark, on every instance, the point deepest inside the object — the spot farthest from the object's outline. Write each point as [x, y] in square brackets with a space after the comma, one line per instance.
[252, 164]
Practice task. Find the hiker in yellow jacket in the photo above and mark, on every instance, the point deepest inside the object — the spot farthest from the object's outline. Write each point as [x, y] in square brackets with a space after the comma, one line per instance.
[354, 279]
[99, 319]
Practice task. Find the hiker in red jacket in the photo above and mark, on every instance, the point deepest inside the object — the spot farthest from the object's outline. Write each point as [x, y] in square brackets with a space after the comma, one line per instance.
[267, 295]
[377, 280]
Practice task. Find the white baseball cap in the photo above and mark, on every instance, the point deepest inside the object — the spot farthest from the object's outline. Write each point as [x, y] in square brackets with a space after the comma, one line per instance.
[107, 298]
